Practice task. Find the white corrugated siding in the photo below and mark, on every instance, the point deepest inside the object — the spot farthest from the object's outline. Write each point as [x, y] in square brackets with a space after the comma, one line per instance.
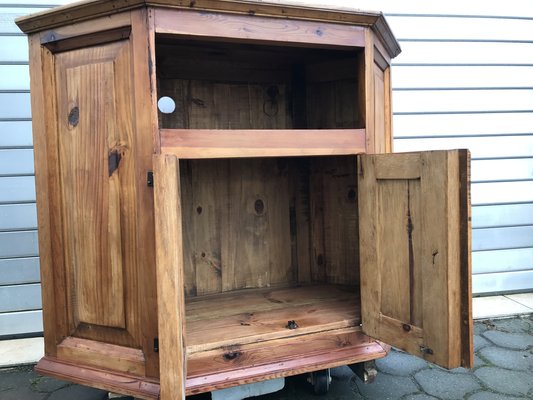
[464, 79]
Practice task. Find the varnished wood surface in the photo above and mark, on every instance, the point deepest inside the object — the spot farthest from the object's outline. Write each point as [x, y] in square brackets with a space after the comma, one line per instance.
[205, 143]
[410, 231]
[261, 29]
[222, 368]
[239, 365]
[252, 316]
[169, 266]
[101, 378]
[88, 9]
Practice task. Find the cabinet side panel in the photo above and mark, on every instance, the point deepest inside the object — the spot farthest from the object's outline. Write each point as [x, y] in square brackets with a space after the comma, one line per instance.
[46, 181]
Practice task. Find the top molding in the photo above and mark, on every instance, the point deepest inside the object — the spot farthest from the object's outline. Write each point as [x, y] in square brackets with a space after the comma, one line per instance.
[89, 9]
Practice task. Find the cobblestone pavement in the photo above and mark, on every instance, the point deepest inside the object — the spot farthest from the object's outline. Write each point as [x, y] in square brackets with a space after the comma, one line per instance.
[503, 370]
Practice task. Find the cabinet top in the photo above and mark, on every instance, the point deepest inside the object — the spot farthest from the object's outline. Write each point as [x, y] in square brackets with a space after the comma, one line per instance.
[88, 9]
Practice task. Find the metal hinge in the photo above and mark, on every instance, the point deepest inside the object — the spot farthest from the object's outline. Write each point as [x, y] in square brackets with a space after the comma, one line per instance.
[150, 179]
[156, 345]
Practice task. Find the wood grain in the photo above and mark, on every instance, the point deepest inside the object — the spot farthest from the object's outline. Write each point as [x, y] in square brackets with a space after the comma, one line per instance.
[411, 264]
[200, 143]
[102, 355]
[170, 280]
[259, 29]
[101, 378]
[97, 177]
[257, 316]
[46, 182]
[146, 142]
[285, 357]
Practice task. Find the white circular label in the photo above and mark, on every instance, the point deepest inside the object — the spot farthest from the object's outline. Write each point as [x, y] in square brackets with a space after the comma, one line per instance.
[166, 105]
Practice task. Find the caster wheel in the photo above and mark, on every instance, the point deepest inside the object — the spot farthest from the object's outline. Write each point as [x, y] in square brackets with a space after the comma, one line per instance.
[321, 380]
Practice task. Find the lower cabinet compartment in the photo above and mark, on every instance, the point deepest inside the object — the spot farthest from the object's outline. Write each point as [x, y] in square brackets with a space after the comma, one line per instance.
[252, 335]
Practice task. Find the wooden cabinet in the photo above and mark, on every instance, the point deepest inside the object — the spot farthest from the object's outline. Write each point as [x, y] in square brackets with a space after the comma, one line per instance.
[260, 229]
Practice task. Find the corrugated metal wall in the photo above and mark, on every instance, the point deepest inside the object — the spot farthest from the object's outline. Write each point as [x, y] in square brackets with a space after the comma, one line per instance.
[464, 79]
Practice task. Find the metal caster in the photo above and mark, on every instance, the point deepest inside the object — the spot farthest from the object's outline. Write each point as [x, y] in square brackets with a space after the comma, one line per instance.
[320, 381]
[366, 371]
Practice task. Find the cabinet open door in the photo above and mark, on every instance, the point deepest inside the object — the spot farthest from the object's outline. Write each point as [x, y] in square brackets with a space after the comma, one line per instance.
[414, 228]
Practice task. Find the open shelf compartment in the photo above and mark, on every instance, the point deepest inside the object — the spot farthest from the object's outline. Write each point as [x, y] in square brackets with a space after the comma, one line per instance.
[245, 336]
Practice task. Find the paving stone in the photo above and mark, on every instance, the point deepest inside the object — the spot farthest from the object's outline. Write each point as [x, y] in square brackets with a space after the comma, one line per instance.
[517, 341]
[78, 393]
[480, 342]
[505, 358]
[400, 364]
[492, 396]
[420, 396]
[478, 362]
[15, 384]
[516, 383]
[515, 325]
[446, 385]
[45, 384]
[386, 387]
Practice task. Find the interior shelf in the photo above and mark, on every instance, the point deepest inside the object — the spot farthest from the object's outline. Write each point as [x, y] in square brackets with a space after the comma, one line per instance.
[242, 336]
[213, 143]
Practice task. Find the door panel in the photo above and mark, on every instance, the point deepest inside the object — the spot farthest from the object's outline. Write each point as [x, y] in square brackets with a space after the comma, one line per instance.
[97, 181]
[414, 230]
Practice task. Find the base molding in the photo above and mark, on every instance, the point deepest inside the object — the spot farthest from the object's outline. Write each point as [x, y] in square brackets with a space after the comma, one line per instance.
[112, 381]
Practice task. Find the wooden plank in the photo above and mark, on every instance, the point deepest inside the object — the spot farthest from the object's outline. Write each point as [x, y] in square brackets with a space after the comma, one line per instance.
[98, 204]
[340, 220]
[256, 240]
[105, 356]
[169, 265]
[219, 321]
[116, 382]
[208, 143]
[146, 142]
[324, 350]
[285, 357]
[465, 260]
[260, 29]
[414, 253]
[42, 80]
[502, 215]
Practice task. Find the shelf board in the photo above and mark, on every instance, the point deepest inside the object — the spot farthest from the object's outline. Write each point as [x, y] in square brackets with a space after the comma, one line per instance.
[242, 336]
[254, 316]
[212, 143]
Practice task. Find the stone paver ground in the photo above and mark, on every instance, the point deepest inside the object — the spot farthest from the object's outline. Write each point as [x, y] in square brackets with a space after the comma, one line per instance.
[503, 370]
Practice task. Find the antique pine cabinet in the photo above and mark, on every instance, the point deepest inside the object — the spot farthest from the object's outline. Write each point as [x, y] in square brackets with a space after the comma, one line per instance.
[261, 228]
